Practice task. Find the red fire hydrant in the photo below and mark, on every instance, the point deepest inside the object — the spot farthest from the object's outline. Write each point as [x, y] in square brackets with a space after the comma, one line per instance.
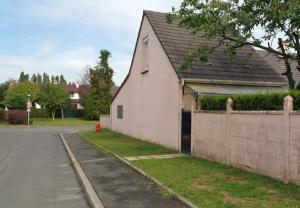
[98, 127]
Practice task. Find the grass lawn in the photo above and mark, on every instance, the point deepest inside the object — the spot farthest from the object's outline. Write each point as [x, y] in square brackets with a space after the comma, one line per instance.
[209, 184]
[121, 144]
[206, 184]
[61, 122]
[58, 122]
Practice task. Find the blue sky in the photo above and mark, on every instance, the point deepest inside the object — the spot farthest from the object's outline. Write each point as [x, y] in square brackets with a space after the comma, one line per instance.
[64, 36]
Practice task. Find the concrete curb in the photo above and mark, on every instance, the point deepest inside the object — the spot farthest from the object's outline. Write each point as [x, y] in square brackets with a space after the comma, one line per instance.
[158, 183]
[90, 193]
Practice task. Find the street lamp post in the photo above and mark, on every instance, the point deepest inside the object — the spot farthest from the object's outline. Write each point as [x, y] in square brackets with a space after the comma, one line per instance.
[29, 106]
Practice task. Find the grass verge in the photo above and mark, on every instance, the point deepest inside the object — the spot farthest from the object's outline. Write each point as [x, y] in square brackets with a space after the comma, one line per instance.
[121, 144]
[210, 184]
[61, 122]
[206, 184]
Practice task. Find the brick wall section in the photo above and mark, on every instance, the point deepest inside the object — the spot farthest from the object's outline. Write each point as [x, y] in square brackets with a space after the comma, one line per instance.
[264, 142]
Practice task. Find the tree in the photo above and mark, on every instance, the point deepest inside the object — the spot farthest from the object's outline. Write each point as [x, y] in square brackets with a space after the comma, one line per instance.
[233, 24]
[56, 79]
[39, 79]
[97, 101]
[85, 76]
[52, 79]
[62, 79]
[54, 97]
[16, 97]
[23, 77]
[34, 78]
[3, 88]
[46, 79]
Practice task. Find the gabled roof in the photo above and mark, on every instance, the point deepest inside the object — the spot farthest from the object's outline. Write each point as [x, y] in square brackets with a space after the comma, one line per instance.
[177, 42]
[278, 65]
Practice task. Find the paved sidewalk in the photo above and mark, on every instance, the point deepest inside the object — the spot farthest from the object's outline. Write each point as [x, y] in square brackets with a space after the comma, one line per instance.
[115, 183]
[148, 157]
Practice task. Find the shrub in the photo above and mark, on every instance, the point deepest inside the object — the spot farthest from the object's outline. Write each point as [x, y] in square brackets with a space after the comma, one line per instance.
[213, 103]
[267, 101]
[40, 113]
[17, 117]
[2, 114]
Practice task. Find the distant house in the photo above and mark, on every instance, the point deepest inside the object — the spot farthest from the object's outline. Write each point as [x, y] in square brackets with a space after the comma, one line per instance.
[156, 96]
[76, 92]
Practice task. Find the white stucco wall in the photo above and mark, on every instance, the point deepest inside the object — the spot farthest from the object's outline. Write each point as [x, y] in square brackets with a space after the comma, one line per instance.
[264, 142]
[151, 100]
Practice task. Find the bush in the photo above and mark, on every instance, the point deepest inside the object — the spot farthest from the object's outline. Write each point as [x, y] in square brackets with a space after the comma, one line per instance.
[17, 117]
[40, 113]
[267, 101]
[2, 115]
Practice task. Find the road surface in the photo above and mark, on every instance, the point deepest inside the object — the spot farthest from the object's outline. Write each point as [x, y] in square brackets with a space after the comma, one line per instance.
[35, 171]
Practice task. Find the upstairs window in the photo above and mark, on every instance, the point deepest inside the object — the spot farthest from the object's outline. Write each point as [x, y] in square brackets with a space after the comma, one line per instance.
[145, 54]
[119, 111]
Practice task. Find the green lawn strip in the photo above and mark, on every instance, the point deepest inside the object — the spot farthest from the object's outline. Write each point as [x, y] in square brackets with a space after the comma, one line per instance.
[209, 184]
[122, 145]
[61, 122]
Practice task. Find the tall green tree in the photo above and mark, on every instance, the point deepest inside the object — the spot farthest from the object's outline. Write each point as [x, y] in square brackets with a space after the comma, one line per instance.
[33, 78]
[54, 97]
[23, 77]
[97, 101]
[46, 79]
[3, 88]
[52, 79]
[39, 79]
[62, 79]
[234, 22]
[16, 97]
[56, 79]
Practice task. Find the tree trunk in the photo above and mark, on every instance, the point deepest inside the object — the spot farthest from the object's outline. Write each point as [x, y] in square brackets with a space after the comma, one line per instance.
[53, 115]
[288, 72]
[62, 113]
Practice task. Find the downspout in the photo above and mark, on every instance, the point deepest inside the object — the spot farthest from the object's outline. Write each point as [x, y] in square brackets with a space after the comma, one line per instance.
[180, 107]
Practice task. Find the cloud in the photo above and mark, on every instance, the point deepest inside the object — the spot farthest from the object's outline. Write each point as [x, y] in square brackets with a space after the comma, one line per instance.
[113, 14]
[69, 63]
[99, 24]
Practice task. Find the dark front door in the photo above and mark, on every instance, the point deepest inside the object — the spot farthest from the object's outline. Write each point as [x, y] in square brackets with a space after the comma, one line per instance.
[186, 132]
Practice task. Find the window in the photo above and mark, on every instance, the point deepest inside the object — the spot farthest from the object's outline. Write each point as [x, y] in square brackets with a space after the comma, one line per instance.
[119, 111]
[145, 54]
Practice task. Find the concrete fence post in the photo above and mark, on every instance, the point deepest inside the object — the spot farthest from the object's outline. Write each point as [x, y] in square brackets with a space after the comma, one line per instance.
[287, 108]
[229, 104]
[288, 105]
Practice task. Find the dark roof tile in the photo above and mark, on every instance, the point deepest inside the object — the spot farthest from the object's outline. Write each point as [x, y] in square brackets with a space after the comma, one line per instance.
[177, 42]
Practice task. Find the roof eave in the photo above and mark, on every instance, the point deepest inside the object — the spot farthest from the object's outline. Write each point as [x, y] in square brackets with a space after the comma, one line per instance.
[235, 82]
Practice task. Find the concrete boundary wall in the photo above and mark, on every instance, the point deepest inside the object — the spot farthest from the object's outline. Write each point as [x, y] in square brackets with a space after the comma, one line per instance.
[265, 142]
[105, 121]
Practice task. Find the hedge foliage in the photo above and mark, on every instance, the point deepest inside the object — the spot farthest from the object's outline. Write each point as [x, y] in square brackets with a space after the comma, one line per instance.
[267, 101]
[40, 113]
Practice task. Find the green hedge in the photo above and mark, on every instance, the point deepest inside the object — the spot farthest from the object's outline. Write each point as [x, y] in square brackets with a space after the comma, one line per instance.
[269, 101]
[40, 113]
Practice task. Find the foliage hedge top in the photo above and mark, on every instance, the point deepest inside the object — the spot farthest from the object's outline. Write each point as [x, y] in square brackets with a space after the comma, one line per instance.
[267, 101]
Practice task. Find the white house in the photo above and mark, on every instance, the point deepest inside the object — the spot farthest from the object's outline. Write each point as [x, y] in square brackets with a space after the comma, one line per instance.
[156, 96]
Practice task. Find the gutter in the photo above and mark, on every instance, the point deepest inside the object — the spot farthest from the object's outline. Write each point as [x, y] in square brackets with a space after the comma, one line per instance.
[234, 82]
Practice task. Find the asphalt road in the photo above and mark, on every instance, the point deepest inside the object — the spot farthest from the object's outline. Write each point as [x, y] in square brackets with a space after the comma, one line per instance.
[35, 170]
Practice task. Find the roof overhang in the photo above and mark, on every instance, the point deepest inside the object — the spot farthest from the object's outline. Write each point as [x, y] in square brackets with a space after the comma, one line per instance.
[218, 87]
